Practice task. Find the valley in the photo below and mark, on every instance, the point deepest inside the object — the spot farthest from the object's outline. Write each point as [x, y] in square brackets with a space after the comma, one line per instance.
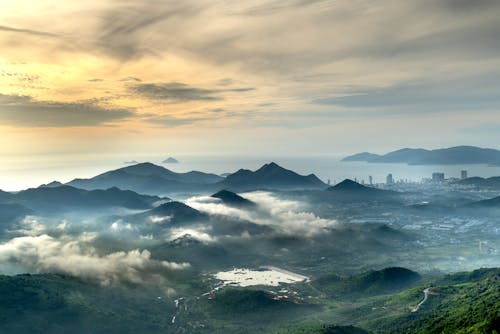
[349, 254]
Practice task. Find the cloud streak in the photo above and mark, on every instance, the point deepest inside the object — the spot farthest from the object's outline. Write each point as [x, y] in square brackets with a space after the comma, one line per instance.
[21, 110]
[173, 91]
[27, 31]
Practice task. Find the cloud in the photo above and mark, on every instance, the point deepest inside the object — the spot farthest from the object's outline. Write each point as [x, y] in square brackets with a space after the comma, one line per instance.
[131, 79]
[215, 206]
[196, 232]
[27, 31]
[21, 110]
[171, 122]
[426, 96]
[286, 216]
[76, 258]
[304, 56]
[131, 29]
[173, 91]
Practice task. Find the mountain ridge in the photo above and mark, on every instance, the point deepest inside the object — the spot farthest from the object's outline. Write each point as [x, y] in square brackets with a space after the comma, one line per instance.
[445, 156]
[146, 177]
[270, 176]
[68, 198]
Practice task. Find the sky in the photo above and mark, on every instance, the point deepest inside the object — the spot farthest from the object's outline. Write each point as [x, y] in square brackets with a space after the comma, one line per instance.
[261, 77]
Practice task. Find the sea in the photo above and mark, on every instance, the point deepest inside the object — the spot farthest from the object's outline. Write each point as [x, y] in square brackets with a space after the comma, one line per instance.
[21, 172]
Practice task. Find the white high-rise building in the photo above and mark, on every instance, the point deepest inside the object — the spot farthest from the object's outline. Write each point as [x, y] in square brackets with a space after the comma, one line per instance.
[389, 179]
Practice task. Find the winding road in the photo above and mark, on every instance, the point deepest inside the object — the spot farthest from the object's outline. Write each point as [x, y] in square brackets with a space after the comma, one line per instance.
[426, 295]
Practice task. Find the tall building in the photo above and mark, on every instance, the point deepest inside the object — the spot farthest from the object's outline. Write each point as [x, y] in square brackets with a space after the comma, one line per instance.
[389, 180]
[463, 174]
[370, 180]
[437, 177]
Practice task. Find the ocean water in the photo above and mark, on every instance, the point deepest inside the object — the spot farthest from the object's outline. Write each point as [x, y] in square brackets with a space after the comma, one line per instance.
[18, 173]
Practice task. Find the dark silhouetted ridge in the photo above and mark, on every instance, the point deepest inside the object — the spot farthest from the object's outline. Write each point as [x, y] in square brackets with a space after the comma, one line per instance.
[66, 198]
[231, 198]
[349, 185]
[176, 212]
[271, 176]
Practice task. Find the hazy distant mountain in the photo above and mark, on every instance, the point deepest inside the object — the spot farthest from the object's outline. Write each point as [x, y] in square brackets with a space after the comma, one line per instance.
[52, 184]
[169, 213]
[270, 176]
[351, 187]
[365, 156]
[152, 179]
[66, 198]
[351, 191]
[170, 160]
[233, 199]
[446, 156]
[147, 178]
[491, 182]
[4, 195]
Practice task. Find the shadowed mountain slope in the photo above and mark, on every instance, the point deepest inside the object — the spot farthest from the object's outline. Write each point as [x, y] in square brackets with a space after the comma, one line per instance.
[270, 176]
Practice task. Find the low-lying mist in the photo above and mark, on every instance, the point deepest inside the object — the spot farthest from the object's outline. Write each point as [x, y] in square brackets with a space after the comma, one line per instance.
[285, 216]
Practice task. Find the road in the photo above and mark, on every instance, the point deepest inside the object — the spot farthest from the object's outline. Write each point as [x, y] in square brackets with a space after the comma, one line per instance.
[426, 295]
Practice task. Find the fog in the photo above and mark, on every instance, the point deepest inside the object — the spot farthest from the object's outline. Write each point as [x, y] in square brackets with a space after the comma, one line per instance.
[286, 216]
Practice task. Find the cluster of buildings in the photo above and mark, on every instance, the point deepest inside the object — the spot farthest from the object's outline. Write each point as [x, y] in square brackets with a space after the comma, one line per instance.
[436, 177]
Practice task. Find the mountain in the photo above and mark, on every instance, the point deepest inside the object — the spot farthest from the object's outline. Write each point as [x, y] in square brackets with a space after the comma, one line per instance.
[376, 282]
[365, 156]
[246, 301]
[350, 185]
[169, 213]
[270, 176]
[351, 188]
[491, 182]
[52, 184]
[233, 199]
[67, 198]
[170, 160]
[447, 156]
[459, 303]
[4, 195]
[49, 303]
[147, 178]
[321, 328]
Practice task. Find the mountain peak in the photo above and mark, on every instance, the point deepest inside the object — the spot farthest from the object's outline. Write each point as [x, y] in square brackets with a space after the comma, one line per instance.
[270, 176]
[232, 198]
[270, 167]
[348, 185]
[170, 160]
[52, 184]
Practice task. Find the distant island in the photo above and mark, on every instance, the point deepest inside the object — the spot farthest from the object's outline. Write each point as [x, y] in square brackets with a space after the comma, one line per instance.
[446, 156]
[170, 160]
